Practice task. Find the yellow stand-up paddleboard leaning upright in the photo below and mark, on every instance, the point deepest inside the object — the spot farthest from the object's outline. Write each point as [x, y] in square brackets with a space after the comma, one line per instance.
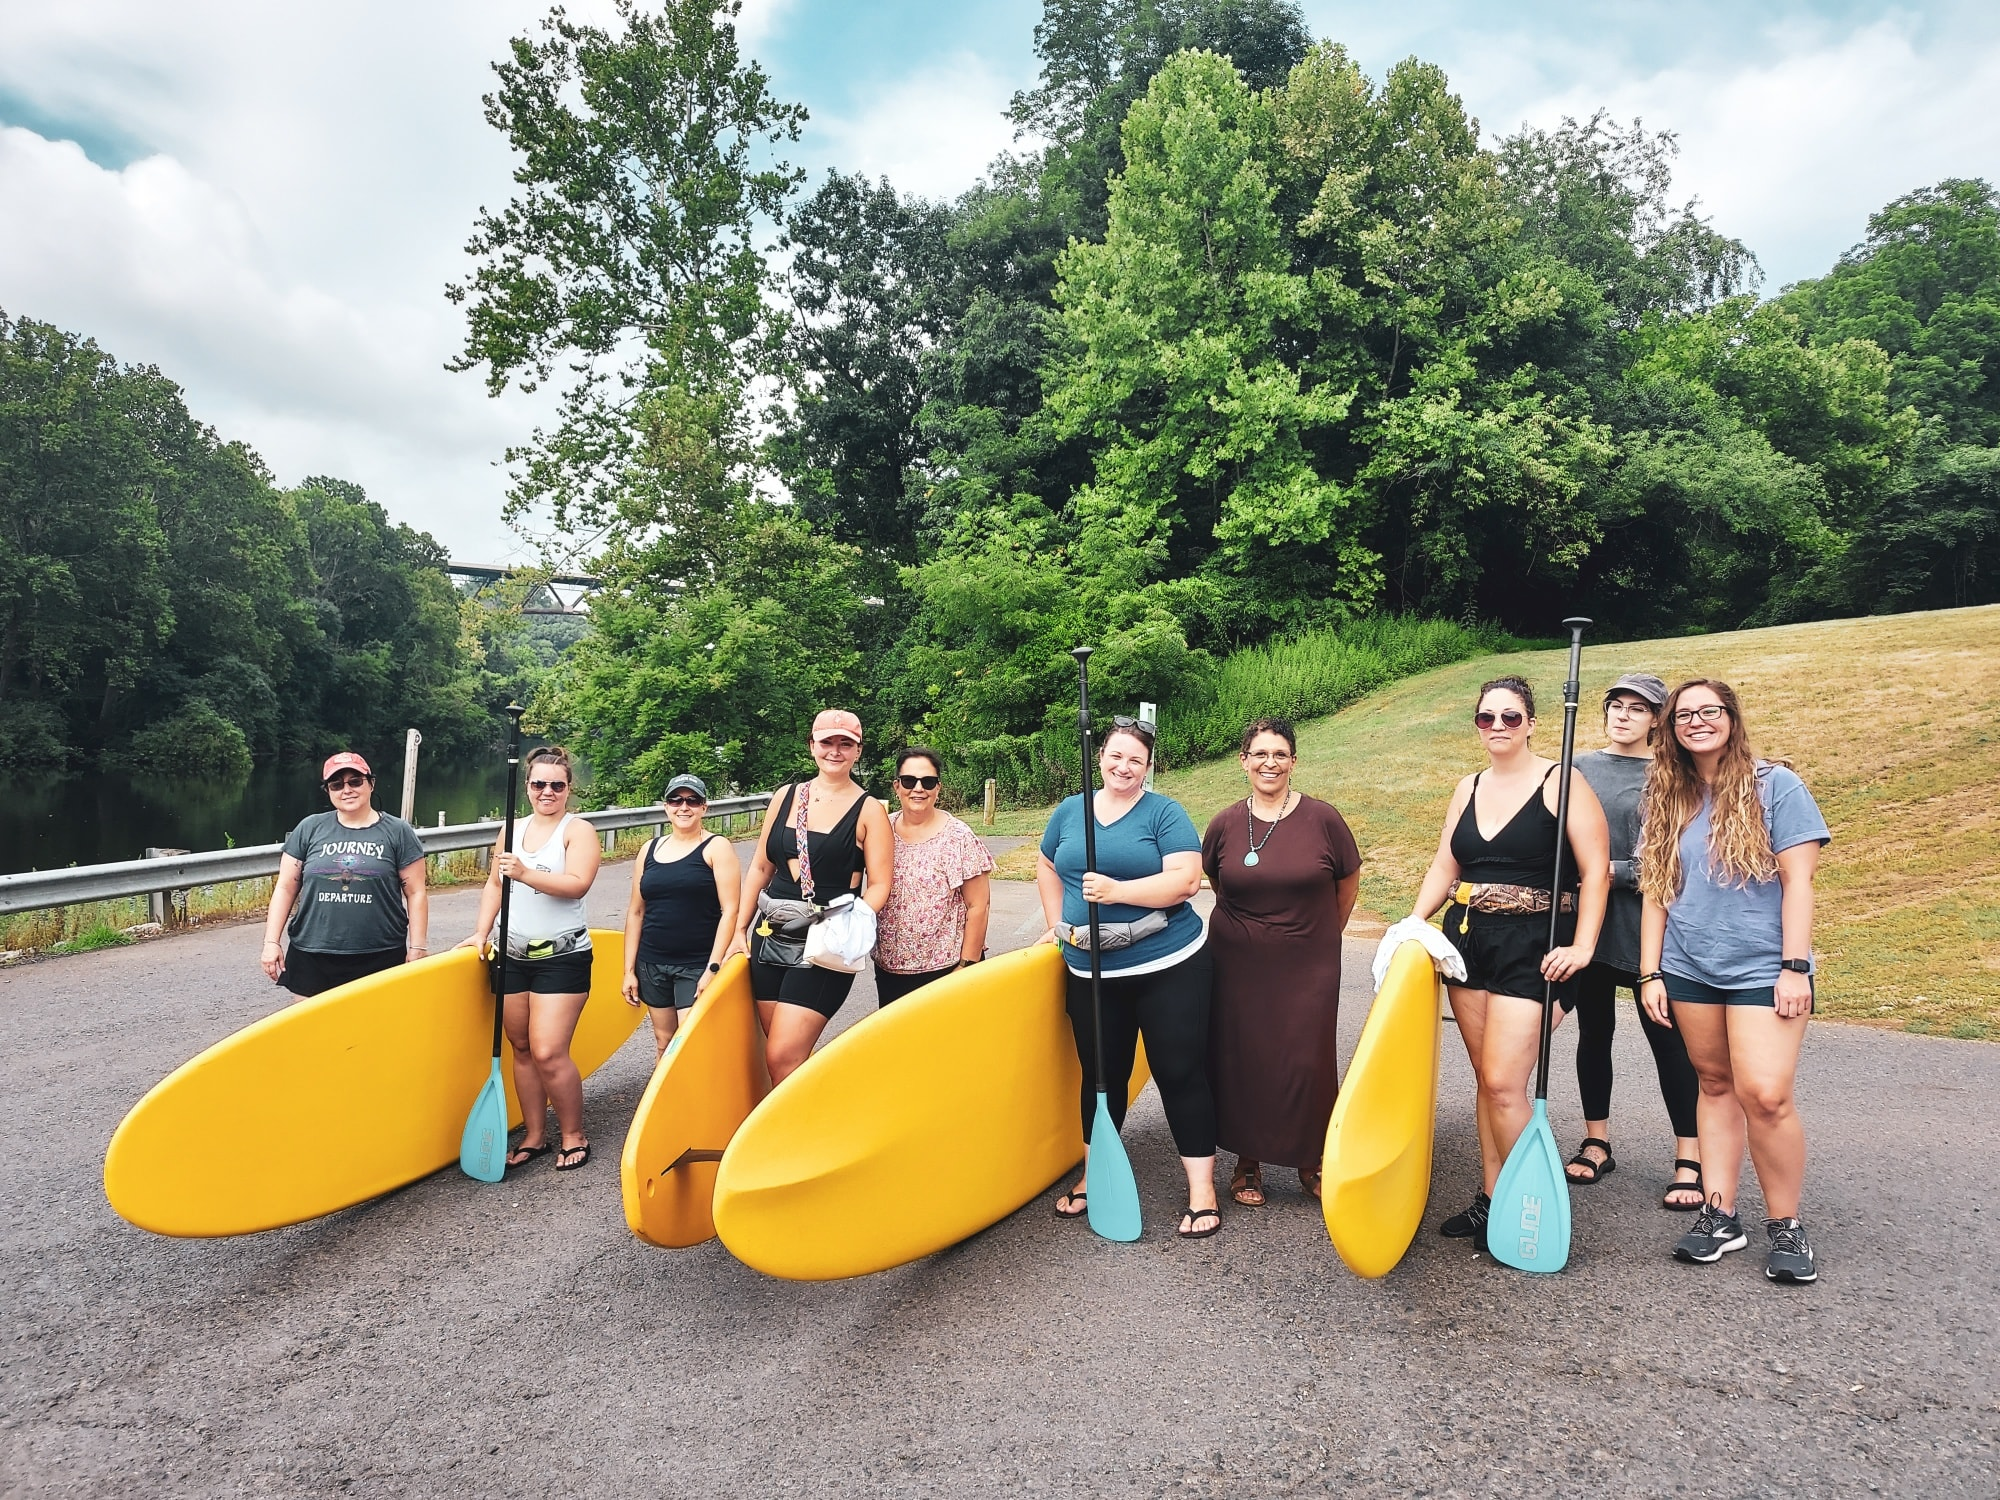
[334, 1100]
[922, 1125]
[1377, 1167]
[705, 1086]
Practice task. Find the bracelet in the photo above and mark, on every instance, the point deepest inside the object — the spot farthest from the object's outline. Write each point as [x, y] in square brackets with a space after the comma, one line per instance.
[1649, 978]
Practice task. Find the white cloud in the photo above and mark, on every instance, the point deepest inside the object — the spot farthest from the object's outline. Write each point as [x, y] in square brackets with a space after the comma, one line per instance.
[933, 133]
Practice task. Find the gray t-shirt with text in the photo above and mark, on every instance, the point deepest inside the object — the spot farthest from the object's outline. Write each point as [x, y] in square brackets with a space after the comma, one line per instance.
[351, 895]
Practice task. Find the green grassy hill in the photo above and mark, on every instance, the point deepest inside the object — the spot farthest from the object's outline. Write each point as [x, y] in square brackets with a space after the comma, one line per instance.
[1893, 721]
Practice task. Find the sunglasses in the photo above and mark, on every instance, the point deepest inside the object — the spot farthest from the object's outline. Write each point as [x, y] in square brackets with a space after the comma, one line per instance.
[346, 783]
[1139, 727]
[548, 786]
[911, 783]
[685, 802]
[1513, 718]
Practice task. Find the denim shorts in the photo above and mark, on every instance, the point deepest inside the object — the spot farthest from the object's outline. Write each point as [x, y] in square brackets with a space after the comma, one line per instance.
[1693, 992]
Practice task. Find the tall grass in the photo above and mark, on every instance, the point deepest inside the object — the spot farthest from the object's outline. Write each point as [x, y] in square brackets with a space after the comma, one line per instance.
[1295, 677]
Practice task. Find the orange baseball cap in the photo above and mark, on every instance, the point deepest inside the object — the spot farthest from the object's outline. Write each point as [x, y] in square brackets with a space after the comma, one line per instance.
[837, 721]
[346, 760]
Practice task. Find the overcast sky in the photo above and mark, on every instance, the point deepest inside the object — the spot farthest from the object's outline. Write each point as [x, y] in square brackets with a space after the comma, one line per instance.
[267, 200]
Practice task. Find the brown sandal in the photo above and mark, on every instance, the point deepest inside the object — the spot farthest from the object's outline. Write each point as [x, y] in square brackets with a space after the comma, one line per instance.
[1247, 1188]
[1309, 1179]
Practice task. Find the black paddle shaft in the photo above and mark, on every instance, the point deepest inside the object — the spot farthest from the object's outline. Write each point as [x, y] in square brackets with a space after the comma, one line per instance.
[1572, 689]
[1082, 655]
[514, 712]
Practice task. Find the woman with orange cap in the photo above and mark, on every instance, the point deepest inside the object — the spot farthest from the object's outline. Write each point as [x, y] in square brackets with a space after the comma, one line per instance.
[821, 839]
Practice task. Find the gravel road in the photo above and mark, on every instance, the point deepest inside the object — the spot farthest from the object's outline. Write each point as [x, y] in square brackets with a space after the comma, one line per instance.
[458, 1339]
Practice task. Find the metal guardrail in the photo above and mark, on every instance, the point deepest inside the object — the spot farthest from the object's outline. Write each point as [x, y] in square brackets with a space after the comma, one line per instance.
[37, 890]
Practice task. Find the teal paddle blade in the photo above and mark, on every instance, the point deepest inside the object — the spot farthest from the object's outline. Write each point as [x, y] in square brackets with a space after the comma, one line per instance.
[1113, 1200]
[1528, 1227]
[482, 1151]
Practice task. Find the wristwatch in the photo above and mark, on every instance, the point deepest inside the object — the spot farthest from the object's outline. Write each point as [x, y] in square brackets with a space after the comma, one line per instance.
[715, 968]
[1796, 965]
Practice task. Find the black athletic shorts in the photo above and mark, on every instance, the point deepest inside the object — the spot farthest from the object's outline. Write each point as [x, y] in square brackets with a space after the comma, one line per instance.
[565, 974]
[663, 985]
[823, 990]
[307, 973]
[1503, 951]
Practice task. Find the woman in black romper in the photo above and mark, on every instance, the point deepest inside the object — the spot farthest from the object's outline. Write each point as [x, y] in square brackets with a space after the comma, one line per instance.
[1495, 891]
[847, 838]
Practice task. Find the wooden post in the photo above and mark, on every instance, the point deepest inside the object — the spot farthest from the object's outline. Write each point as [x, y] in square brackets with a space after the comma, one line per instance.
[410, 743]
[992, 799]
[165, 908]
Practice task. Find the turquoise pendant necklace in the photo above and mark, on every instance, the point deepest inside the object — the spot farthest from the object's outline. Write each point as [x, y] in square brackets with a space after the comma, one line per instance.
[1251, 857]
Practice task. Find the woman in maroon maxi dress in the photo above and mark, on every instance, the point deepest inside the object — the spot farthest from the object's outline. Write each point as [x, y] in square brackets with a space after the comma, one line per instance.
[1285, 871]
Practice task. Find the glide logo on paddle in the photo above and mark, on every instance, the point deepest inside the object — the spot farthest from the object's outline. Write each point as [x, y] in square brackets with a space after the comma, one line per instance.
[1531, 1228]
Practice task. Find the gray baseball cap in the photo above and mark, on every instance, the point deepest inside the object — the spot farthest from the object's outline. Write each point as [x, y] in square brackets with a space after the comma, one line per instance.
[1640, 684]
[688, 783]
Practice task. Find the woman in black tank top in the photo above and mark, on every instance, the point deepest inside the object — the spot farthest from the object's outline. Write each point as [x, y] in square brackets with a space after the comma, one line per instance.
[682, 913]
[1495, 890]
[848, 848]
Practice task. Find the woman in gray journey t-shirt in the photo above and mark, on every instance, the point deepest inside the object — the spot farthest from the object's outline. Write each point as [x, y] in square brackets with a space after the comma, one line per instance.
[350, 896]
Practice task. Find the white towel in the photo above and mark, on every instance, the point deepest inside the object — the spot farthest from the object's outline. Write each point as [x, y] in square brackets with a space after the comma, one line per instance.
[1415, 930]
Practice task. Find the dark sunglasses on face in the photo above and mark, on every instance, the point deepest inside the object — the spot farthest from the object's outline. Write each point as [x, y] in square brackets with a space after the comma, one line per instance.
[347, 782]
[911, 783]
[1513, 718]
[548, 786]
[684, 802]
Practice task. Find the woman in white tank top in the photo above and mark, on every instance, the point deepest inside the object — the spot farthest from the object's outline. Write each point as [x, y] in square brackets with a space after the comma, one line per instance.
[547, 968]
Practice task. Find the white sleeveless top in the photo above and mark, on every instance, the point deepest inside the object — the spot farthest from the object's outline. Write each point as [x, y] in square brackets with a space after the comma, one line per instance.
[533, 914]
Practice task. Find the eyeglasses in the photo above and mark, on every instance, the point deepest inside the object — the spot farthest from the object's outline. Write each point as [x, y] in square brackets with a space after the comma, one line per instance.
[1625, 707]
[347, 782]
[685, 802]
[1708, 713]
[837, 742]
[1268, 757]
[548, 786]
[911, 783]
[1513, 718]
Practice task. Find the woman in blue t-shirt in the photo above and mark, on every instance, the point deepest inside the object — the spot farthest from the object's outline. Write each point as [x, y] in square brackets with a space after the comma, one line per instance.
[1728, 847]
[1154, 962]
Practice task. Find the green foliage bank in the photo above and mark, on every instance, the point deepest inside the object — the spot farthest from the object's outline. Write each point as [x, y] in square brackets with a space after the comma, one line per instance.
[1255, 352]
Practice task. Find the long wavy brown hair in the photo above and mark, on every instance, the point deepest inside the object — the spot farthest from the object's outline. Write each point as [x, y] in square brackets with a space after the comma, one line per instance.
[1739, 845]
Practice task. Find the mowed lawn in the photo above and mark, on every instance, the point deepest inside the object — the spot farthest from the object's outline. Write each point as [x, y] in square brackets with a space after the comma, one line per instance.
[1894, 722]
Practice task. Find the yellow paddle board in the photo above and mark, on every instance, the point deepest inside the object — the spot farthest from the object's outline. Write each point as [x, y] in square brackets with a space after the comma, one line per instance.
[932, 1119]
[1378, 1144]
[333, 1100]
[712, 1076]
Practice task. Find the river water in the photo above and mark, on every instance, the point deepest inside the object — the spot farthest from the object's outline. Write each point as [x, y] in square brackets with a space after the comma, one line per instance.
[104, 816]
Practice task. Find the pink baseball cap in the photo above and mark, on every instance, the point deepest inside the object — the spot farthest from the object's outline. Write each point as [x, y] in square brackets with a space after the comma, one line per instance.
[346, 760]
[837, 721]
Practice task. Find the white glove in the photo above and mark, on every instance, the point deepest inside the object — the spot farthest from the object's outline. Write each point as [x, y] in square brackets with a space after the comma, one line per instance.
[1415, 930]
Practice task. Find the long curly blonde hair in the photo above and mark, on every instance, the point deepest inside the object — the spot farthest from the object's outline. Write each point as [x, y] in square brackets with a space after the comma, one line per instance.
[1739, 843]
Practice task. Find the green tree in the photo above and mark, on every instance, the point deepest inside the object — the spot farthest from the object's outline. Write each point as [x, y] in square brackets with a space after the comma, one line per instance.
[629, 258]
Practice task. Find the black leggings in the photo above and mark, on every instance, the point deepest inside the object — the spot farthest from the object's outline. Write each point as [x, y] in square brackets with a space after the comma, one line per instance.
[1597, 1019]
[1170, 1008]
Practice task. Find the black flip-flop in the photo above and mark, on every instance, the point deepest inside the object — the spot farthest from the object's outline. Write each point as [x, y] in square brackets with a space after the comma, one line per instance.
[581, 1153]
[1081, 1200]
[526, 1155]
[1194, 1216]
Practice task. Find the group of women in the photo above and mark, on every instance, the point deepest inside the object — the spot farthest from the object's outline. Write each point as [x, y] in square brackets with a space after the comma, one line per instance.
[1687, 879]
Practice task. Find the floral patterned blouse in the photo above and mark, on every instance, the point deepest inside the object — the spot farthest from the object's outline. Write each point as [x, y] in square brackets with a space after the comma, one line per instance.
[922, 928]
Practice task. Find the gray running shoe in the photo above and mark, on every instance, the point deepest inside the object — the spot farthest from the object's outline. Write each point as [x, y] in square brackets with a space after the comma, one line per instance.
[1791, 1252]
[1713, 1236]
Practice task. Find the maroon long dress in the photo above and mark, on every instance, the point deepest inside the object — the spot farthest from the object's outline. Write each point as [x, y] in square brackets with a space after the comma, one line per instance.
[1276, 1004]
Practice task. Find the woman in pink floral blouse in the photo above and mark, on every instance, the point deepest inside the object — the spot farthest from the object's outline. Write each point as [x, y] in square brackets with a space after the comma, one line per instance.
[935, 920]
